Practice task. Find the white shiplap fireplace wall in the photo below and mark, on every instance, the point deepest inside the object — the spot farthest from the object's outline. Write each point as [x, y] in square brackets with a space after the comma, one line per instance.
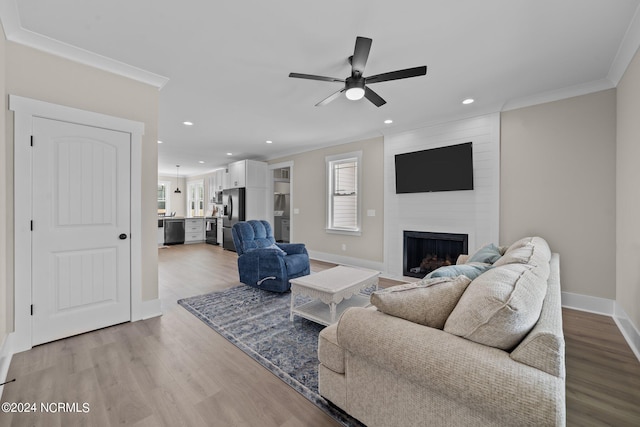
[475, 212]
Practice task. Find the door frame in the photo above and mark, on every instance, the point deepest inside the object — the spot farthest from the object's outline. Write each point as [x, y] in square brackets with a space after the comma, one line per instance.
[271, 189]
[24, 110]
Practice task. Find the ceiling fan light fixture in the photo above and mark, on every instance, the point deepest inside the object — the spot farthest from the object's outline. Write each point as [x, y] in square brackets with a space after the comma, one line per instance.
[355, 93]
[355, 88]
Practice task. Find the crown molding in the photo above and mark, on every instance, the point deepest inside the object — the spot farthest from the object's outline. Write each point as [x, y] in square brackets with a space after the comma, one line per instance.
[558, 94]
[15, 33]
[627, 50]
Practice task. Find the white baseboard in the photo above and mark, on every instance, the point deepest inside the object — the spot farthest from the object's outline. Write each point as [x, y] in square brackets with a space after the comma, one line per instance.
[587, 303]
[607, 307]
[151, 308]
[6, 353]
[628, 329]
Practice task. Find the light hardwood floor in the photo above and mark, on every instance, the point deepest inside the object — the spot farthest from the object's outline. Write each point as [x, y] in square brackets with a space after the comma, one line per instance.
[175, 371]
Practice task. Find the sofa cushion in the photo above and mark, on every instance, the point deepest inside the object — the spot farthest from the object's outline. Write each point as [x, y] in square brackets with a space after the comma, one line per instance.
[471, 270]
[543, 347]
[427, 302]
[500, 307]
[330, 354]
[533, 251]
[530, 250]
[487, 254]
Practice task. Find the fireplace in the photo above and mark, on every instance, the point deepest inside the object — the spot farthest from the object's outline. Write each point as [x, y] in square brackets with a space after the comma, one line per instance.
[424, 251]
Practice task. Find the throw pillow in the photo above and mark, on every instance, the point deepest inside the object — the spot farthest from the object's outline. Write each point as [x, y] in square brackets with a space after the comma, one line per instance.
[489, 254]
[471, 270]
[277, 248]
[427, 302]
[530, 250]
[500, 307]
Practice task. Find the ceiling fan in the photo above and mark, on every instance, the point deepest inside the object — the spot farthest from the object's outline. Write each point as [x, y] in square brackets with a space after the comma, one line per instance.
[355, 85]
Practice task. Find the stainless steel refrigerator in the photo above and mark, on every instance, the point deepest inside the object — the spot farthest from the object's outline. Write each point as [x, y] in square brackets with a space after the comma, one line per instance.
[234, 211]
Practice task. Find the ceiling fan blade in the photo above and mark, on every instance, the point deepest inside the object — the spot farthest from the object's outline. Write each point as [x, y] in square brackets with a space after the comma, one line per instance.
[330, 98]
[314, 77]
[395, 75]
[374, 97]
[360, 55]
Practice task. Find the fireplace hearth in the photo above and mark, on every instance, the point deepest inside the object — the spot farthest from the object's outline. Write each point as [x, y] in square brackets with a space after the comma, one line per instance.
[425, 251]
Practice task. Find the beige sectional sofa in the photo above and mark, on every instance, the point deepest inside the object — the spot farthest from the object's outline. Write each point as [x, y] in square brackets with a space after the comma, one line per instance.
[497, 361]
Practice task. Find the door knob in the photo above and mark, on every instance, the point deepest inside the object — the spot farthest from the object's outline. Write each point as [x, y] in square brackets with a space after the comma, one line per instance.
[123, 236]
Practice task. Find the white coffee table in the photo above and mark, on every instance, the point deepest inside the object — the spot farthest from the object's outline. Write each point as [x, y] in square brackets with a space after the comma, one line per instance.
[333, 291]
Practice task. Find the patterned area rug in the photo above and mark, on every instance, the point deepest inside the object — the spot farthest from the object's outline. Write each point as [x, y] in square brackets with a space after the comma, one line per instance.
[257, 322]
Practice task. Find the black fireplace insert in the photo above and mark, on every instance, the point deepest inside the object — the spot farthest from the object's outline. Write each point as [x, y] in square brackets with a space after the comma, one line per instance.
[424, 251]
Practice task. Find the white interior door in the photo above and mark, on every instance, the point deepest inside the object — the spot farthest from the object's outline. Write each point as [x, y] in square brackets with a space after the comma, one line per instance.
[81, 252]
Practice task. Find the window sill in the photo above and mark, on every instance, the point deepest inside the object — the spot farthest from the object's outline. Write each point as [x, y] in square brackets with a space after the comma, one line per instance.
[344, 232]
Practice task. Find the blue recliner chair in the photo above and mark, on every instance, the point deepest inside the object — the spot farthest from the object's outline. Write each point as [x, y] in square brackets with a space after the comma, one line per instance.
[263, 263]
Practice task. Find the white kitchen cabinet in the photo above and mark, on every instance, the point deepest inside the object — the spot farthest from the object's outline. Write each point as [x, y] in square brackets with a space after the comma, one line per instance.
[194, 230]
[224, 179]
[237, 174]
[247, 173]
[220, 180]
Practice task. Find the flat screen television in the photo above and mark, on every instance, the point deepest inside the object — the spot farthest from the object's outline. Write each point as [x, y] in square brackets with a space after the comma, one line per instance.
[438, 169]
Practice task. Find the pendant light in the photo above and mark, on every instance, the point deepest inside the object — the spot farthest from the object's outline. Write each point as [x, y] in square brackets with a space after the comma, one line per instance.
[177, 188]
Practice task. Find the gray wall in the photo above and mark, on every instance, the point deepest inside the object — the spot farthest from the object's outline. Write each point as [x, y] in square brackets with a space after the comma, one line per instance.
[558, 168]
[628, 195]
[309, 196]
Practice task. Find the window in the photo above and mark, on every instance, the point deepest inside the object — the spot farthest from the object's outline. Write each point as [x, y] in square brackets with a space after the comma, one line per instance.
[163, 198]
[195, 198]
[343, 179]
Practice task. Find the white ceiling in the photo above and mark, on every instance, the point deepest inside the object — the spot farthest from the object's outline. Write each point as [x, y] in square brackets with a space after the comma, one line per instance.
[226, 64]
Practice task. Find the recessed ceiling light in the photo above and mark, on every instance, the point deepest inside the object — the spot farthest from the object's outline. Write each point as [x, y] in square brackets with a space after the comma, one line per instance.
[229, 154]
[187, 123]
[269, 142]
[200, 161]
[159, 142]
[388, 121]
[468, 101]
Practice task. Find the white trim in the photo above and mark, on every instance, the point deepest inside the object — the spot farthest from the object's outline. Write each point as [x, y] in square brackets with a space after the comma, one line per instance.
[6, 353]
[271, 189]
[137, 130]
[167, 197]
[150, 308]
[606, 307]
[198, 181]
[357, 232]
[588, 303]
[14, 32]
[628, 329]
[25, 109]
[329, 160]
[627, 50]
[558, 94]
